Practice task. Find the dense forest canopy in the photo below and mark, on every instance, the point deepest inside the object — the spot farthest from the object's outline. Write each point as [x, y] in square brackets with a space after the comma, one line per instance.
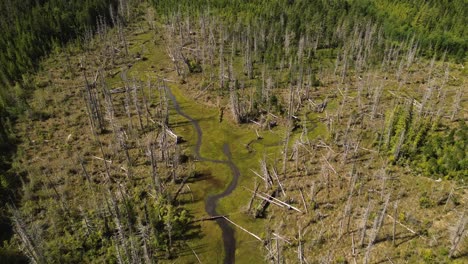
[438, 26]
[30, 29]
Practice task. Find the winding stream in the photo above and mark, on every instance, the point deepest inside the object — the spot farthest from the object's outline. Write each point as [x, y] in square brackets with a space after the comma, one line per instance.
[211, 202]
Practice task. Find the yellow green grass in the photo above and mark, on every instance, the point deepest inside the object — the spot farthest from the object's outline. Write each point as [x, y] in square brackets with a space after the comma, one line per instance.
[215, 177]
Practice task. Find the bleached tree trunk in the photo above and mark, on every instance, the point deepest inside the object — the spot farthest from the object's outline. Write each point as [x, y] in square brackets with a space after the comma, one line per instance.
[396, 154]
[136, 103]
[31, 248]
[154, 169]
[266, 174]
[248, 64]
[456, 103]
[234, 100]
[300, 248]
[221, 60]
[93, 106]
[123, 38]
[376, 101]
[457, 234]
[395, 215]
[144, 232]
[127, 99]
[364, 223]
[375, 230]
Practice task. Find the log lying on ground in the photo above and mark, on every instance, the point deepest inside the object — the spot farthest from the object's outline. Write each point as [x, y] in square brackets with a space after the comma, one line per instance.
[181, 186]
[120, 90]
[210, 218]
[260, 212]
[243, 229]
[269, 198]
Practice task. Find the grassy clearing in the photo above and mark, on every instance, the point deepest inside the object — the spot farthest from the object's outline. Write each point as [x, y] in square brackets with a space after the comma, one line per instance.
[215, 134]
[215, 177]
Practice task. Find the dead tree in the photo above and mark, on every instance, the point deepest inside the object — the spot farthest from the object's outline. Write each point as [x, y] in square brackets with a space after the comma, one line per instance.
[221, 60]
[376, 100]
[30, 246]
[300, 247]
[458, 233]
[364, 223]
[266, 174]
[256, 186]
[378, 222]
[120, 236]
[395, 212]
[154, 170]
[163, 146]
[122, 139]
[248, 64]
[234, 99]
[121, 34]
[164, 104]
[144, 233]
[396, 153]
[456, 103]
[127, 99]
[101, 28]
[175, 162]
[92, 104]
[124, 9]
[136, 103]
[300, 81]
[348, 208]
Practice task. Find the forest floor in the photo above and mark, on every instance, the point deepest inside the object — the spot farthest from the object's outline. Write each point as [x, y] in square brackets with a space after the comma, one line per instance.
[59, 132]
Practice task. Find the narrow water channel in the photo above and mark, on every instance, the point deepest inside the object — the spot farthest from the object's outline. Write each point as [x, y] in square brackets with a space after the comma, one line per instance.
[211, 201]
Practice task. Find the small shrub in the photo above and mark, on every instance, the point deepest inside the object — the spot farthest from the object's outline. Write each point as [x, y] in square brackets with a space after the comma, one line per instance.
[425, 202]
[341, 260]
[402, 217]
[427, 255]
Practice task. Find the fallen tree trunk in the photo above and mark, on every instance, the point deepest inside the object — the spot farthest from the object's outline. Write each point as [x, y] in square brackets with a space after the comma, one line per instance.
[181, 186]
[260, 211]
[243, 229]
[210, 218]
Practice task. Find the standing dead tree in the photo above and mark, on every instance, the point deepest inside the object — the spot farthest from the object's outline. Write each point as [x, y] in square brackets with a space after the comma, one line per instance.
[266, 174]
[154, 170]
[247, 48]
[456, 104]
[364, 223]
[127, 100]
[376, 100]
[378, 222]
[31, 247]
[108, 103]
[221, 59]
[136, 103]
[234, 100]
[458, 232]
[93, 107]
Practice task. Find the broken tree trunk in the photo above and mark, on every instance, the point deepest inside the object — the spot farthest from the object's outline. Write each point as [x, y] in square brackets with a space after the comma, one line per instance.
[260, 211]
[169, 132]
